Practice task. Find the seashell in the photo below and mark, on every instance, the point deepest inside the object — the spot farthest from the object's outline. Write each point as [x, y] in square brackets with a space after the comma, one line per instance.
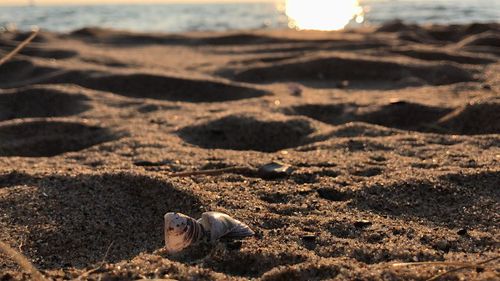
[181, 231]
[274, 170]
[220, 225]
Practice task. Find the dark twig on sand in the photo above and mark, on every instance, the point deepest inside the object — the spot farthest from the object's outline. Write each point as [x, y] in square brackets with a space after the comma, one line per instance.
[213, 172]
[271, 170]
[107, 253]
[472, 265]
[99, 267]
[461, 265]
[19, 47]
[22, 261]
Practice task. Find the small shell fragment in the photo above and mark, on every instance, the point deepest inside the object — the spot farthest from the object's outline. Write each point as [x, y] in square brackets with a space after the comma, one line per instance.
[274, 170]
[221, 225]
[181, 231]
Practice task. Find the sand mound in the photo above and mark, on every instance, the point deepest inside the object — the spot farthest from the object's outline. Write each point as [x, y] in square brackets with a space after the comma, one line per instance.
[109, 62]
[40, 102]
[334, 114]
[245, 39]
[338, 68]
[456, 201]
[39, 51]
[433, 55]
[443, 34]
[41, 37]
[455, 33]
[101, 35]
[397, 26]
[476, 28]
[97, 34]
[451, 33]
[14, 73]
[407, 32]
[165, 87]
[13, 68]
[94, 32]
[484, 39]
[131, 85]
[401, 115]
[246, 132]
[107, 36]
[480, 117]
[119, 37]
[360, 129]
[296, 49]
[417, 36]
[488, 42]
[49, 138]
[78, 217]
[476, 118]
[49, 53]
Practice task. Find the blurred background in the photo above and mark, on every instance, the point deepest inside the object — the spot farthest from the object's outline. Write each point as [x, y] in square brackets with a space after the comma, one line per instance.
[221, 15]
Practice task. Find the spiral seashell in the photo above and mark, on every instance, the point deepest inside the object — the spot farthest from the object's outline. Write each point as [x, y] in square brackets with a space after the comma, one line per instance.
[220, 225]
[181, 231]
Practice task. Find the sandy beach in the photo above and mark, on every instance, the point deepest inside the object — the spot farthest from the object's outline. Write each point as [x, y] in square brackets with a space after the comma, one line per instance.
[393, 134]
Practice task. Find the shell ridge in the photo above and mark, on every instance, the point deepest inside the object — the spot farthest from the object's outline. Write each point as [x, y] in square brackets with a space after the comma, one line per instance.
[222, 225]
[193, 233]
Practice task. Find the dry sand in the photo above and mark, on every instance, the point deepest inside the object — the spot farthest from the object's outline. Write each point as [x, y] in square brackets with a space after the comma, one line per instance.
[394, 134]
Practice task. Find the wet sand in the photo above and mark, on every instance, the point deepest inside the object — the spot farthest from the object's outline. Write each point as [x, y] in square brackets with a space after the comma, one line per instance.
[393, 133]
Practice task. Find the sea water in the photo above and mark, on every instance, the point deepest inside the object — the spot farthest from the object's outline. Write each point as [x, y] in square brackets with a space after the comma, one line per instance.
[218, 17]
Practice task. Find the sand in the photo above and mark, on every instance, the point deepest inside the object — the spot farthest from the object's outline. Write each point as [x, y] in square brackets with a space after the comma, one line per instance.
[393, 133]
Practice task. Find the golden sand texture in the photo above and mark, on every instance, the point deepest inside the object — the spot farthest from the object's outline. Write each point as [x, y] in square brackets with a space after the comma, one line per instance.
[393, 134]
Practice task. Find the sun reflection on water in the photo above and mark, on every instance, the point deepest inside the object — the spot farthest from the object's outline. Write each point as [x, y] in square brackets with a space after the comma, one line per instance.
[322, 14]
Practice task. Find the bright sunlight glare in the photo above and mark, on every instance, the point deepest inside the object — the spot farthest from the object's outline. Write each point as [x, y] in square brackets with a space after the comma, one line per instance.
[322, 14]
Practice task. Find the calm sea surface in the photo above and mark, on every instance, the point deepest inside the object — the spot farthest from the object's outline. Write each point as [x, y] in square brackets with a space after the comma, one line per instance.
[302, 14]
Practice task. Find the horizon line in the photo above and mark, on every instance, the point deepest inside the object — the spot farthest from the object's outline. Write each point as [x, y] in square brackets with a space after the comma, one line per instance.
[27, 3]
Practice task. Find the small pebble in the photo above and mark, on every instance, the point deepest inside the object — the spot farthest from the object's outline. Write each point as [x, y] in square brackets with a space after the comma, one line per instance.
[486, 86]
[362, 223]
[343, 84]
[295, 89]
[462, 232]
[309, 238]
[274, 170]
